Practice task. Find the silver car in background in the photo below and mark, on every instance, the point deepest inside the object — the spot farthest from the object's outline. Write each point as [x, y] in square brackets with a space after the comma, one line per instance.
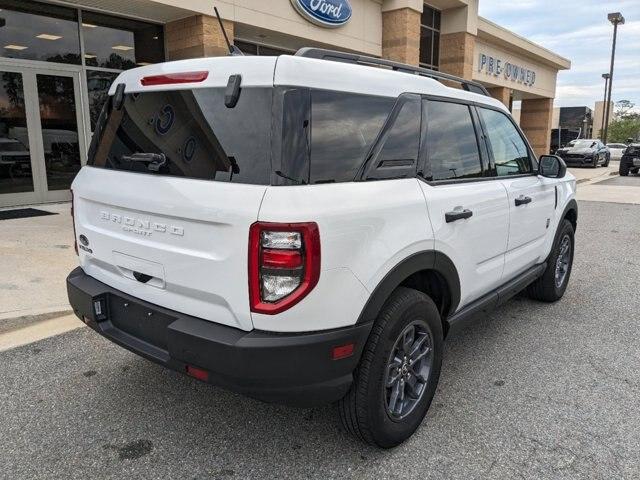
[616, 150]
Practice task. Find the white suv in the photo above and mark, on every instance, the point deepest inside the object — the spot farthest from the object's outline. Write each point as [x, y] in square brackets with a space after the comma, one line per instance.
[305, 230]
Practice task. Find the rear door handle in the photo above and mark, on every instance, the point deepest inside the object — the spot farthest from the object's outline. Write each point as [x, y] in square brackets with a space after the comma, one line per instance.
[522, 200]
[457, 215]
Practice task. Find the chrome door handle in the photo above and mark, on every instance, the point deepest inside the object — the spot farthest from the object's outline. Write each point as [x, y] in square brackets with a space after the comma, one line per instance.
[522, 200]
[457, 215]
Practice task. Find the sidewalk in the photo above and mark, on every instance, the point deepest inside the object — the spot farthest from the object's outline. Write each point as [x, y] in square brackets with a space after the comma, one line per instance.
[37, 254]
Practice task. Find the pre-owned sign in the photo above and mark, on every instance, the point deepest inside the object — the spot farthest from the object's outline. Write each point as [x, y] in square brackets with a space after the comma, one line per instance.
[324, 13]
[499, 67]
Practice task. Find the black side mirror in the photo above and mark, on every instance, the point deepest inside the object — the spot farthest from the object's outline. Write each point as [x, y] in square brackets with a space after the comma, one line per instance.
[551, 166]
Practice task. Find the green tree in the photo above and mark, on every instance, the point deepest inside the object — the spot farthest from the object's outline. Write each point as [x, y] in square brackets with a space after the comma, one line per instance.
[622, 129]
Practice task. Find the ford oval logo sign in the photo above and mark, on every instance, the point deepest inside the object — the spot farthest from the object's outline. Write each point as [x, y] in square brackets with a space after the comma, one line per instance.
[325, 13]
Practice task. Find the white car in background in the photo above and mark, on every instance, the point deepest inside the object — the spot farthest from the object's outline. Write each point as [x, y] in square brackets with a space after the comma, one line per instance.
[616, 150]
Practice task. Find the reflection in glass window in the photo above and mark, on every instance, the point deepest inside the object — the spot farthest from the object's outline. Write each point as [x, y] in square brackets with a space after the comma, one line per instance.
[510, 153]
[404, 137]
[120, 43]
[343, 128]
[98, 83]
[59, 130]
[37, 31]
[15, 160]
[451, 142]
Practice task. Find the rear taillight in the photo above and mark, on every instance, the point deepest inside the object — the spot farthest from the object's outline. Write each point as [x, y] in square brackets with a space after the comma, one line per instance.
[284, 264]
[73, 221]
[174, 78]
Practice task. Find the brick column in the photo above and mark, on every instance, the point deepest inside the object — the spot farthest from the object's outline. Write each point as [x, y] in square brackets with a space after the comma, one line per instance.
[456, 54]
[401, 36]
[195, 37]
[501, 93]
[535, 121]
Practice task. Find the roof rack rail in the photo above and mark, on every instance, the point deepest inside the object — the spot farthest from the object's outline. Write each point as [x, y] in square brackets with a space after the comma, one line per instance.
[336, 56]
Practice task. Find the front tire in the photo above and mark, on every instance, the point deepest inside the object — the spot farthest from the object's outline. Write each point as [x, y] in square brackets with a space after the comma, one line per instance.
[398, 373]
[624, 169]
[550, 287]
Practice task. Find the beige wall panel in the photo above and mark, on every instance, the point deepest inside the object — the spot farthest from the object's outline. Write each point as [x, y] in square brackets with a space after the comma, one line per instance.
[545, 80]
[362, 33]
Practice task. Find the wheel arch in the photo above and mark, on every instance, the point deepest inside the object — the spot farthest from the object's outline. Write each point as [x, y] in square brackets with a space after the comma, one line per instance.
[571, 213]
[430, 272]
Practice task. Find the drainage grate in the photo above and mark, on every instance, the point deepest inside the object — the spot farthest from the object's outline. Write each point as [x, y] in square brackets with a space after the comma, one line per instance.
[23, 213]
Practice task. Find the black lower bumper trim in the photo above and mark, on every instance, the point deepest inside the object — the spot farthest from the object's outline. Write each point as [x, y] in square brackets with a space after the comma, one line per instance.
[288, 368]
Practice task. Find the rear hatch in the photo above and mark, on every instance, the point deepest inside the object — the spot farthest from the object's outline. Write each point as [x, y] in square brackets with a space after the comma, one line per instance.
[174, 180]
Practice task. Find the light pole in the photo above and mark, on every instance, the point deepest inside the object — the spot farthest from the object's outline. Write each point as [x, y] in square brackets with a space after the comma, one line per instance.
[604, 103]
[617, 19]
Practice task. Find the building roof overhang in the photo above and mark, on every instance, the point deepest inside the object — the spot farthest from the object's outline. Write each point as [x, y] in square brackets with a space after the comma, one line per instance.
[501, 37]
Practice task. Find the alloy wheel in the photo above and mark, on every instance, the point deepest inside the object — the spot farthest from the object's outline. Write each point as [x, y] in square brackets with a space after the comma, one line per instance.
[563, 260]
[408, 369]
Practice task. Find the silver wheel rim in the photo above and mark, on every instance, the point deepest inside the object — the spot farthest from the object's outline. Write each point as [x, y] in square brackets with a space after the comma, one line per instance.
[408, 369]
[563, 261]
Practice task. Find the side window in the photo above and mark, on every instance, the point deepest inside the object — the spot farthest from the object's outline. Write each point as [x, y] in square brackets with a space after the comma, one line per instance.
[343, 129]
[510, 153]
[452, 146]
[398, 156]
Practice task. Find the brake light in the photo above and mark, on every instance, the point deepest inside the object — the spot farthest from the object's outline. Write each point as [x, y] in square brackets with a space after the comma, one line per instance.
[173, 78]
[73, 221]
[284, 264]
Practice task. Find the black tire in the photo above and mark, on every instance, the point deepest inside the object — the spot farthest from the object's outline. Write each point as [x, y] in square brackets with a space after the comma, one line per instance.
[635, 170]
[546, 288]
[364, 410]
[606, 161]
[624, 169]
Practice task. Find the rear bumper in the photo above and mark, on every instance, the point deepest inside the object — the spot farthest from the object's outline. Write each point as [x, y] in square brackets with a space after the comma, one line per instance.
[288, 368]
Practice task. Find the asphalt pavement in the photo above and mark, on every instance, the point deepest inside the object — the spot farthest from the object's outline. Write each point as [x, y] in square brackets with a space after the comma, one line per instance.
[533, 391]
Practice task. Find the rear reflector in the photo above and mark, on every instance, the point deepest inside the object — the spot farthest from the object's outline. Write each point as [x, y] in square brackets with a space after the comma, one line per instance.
[343, 351]
[198, 373]
[281, 258]
[173, 78]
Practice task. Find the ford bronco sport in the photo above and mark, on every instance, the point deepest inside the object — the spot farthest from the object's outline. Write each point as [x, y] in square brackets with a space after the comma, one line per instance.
[309, 229]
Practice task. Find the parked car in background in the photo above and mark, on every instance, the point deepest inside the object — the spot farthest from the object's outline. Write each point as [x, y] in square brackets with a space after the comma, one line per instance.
[630, 161]
[583, 152]
[616, 150]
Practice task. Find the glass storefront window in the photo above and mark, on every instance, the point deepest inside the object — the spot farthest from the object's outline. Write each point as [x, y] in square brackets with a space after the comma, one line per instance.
[98, 83]
[120, 43]
[44, 32]
[59, 129]
[15, 159]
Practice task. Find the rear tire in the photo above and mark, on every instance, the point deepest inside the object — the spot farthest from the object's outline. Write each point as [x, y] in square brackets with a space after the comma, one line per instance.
[550, 287]
[606, 161]
[635, 170]
[624, 170]
[368, 411]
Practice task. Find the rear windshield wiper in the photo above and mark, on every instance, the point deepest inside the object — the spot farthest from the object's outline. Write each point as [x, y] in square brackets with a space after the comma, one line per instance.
[155, 160]
[282, 175]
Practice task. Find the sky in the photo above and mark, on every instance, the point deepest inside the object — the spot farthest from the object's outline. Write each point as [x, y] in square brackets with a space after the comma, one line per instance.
[579, 30]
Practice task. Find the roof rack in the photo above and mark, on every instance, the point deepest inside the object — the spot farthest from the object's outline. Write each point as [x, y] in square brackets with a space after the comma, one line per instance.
[325, 54]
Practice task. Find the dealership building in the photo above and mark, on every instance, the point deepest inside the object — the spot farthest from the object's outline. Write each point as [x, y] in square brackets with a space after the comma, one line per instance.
[58, 59]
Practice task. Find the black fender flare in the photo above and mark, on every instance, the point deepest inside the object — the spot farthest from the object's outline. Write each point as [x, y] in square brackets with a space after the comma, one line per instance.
[571, 205]
[425, 260]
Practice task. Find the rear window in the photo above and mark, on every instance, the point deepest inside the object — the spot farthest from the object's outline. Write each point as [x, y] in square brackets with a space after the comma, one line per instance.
[198, 136]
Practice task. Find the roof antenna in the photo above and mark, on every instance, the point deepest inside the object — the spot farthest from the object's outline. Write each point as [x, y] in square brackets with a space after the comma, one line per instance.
[233, 50]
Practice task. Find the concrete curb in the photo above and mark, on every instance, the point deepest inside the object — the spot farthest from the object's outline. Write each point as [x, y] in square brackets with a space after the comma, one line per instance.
[38, 331]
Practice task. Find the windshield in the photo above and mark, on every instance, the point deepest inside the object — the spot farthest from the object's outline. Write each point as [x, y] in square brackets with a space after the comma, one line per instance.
[582, 144]
[188, 133]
